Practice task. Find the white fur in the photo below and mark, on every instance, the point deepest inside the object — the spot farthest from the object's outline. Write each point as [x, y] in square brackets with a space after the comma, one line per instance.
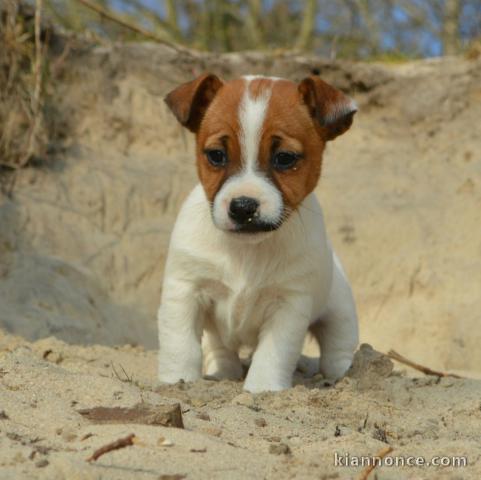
[249, 181]
[226, 291]
[252, 112]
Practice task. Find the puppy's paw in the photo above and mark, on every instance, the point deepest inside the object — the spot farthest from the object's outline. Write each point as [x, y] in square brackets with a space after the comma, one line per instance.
[333, 367]
[223, 367]
[224, 371]
[172, 372]
[177, 377]
[258, 384]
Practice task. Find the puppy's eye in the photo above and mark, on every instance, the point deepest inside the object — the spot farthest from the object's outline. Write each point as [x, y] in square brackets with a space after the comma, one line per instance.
[217, 158]
[284, 160]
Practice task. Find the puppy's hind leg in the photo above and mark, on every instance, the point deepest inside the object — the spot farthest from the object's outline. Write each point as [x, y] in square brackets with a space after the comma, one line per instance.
[337, 330]
[219, 362]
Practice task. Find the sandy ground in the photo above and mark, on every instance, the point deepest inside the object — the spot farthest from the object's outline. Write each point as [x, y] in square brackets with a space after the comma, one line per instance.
[82, 248]
[228, 433]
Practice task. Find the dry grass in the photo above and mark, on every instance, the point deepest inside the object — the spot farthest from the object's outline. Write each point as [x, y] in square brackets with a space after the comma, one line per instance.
[23, 134]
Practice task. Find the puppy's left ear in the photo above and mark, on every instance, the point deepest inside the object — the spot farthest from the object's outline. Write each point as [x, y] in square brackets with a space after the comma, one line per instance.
[190, 101]
[331, 109]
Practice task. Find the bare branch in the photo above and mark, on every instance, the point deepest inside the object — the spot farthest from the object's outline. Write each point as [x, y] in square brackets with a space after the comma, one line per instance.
[307, 26]
[426, 370]
[135, 28]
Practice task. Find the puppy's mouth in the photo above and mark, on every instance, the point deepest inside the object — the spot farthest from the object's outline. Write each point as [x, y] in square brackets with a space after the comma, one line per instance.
[245, 216]
[249, 226]
[255, 226]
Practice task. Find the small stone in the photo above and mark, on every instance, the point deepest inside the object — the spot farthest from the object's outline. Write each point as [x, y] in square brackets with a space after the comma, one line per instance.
[245, 398]
[379, 433]
[41, 463]
[54, 357]
[203, 416]
[369, 367]
[214, 431]
[164, 442]
[68, 435]
[279, 449]
[260, 422]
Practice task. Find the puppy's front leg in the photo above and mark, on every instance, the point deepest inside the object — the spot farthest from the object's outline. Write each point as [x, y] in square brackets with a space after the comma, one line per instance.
[279, 347]
[180, 330]
[337, 330]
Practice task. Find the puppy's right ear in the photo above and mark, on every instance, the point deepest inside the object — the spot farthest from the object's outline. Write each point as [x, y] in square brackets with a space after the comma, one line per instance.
[190, 101]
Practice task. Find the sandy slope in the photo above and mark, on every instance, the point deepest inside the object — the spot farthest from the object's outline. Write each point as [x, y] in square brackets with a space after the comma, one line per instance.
[83, 243]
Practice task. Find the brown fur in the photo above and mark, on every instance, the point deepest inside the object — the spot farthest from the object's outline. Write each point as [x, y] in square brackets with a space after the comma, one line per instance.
[220, 129]
[289, 121]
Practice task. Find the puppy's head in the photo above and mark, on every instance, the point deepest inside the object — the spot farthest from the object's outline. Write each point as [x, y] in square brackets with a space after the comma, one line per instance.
[259, 143]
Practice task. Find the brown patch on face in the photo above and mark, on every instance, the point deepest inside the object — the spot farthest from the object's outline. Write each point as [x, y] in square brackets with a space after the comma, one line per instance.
[220, 130]
[289, 127]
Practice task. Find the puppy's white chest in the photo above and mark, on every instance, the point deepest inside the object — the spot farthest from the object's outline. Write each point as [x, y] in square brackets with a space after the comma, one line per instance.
[239, 307]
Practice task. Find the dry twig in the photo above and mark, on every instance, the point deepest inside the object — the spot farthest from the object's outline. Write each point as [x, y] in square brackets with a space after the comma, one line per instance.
[135, 28]
[426, 370]
[380, 455]
[36, 99]
[120, 443]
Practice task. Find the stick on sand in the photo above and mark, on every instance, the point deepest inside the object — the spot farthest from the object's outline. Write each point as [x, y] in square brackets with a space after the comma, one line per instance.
[381, 454]
[426, 370]
[120, 443]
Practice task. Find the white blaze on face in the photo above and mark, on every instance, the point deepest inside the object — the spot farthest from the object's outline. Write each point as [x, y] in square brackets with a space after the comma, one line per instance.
[252, 112]
[250, 181]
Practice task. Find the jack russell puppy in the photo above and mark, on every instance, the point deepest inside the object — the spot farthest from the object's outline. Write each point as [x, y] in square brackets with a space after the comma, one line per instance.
[249, 262]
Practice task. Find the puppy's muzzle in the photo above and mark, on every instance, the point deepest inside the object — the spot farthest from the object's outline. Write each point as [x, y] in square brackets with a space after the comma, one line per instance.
[244, 212]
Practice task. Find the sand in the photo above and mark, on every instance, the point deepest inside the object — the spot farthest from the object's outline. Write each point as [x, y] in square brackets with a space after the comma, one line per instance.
[228, 433]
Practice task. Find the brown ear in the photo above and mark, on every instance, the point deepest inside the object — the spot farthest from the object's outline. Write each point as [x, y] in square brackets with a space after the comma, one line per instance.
[329, 107]
[190, 101]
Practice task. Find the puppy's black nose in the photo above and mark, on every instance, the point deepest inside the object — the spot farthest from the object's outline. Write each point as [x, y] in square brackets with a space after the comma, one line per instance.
[242, 209]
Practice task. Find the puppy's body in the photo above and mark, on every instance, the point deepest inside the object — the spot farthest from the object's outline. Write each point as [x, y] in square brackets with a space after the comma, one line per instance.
[261, 281]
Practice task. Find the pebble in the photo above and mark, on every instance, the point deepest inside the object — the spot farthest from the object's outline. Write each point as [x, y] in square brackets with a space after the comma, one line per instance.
[214, 431]
[260, 422]
[164, 442]
[279, 449]
[245, 398]
[203, 416]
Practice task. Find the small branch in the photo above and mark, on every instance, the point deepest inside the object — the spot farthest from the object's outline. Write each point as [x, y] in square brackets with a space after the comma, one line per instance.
[120, 443]
[36, 97]
[380, 455]
[426, 370]
[307, 26]
[135, 28]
